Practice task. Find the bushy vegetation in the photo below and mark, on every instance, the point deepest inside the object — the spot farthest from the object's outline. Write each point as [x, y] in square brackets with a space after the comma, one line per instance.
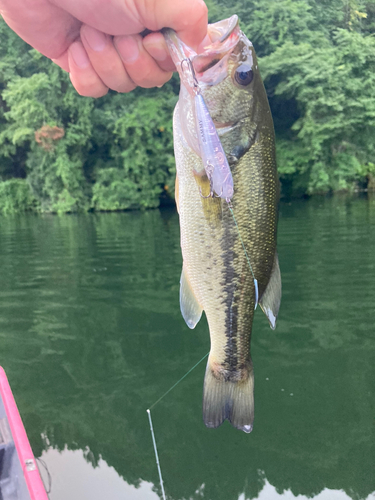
[318, 63]
[60, 152]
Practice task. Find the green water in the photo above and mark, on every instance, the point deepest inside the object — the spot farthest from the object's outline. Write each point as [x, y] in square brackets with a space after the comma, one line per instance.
[91, 335]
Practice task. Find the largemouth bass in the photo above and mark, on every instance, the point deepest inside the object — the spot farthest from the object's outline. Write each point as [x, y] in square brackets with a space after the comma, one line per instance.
[223, 254]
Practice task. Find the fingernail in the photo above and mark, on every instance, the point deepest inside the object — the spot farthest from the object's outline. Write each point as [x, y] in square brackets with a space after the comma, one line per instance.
[128, 48]
[79, 55]
[96, 39]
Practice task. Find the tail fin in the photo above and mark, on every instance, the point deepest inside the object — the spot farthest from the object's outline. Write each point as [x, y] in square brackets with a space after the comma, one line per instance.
[228, 399]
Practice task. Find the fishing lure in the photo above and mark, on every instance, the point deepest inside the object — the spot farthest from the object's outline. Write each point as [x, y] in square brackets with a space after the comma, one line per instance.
[211, 150]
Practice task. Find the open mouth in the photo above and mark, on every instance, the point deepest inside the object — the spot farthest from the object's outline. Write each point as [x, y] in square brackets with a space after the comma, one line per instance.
[224, 36]
[221, 31]
[210, 66]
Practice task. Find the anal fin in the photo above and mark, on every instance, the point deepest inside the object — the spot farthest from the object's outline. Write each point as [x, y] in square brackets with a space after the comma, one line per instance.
[271, 298]
[190, 308]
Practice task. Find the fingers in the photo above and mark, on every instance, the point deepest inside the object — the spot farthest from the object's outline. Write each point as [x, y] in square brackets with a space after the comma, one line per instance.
[155, 45]
[62, 61]
[53, 27]
[140, 66]
[188, 18]
[82, 74]
[105, 60]
[96, 63]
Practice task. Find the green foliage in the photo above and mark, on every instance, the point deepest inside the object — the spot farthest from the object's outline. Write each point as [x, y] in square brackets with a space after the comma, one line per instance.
[15, 197]
[333, 87]
[46, 98]
[115, 153]
[270, 23]
[140, 152]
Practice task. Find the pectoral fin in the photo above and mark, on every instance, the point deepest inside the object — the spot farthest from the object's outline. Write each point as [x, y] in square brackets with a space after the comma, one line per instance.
[270, 301]
[190, 309]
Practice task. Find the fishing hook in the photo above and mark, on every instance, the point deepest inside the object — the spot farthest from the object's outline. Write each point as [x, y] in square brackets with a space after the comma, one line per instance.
[211, 194]
[209, 170]
[217, 195]
[190, 66]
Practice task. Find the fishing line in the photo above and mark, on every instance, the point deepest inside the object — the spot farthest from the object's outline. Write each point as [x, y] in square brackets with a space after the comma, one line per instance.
[49, 478]
[181, 379]
[247, 256]
[152, 428]
[156, 454]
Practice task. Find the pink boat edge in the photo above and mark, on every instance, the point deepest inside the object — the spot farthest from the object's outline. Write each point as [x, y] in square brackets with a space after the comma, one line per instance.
[19, 474]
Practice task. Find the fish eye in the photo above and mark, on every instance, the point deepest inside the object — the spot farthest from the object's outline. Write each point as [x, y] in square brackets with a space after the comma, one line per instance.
[244, 75]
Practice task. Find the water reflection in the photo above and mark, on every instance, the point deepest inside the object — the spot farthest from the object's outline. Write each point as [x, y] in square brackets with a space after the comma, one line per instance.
[82, 480]
[269, 492]
[91, 335]
[74, 478]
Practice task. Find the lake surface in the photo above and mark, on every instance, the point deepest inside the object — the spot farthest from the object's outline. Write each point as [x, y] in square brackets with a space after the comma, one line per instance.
[91, 335]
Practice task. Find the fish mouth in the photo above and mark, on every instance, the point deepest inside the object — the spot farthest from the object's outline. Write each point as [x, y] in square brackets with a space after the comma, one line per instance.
[224, 36]
[209, 65]
[222, 30]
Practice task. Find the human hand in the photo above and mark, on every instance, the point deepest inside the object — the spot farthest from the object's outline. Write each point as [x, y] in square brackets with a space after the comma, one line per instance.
[99, 41]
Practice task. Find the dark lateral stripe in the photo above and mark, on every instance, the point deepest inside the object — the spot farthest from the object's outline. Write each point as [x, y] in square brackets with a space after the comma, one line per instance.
[229, 289]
